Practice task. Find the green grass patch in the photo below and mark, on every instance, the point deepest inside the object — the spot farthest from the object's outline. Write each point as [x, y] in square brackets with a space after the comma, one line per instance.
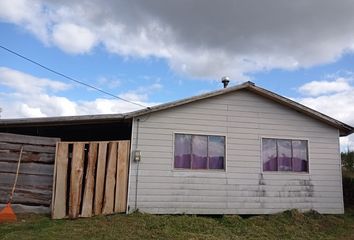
[288, 225]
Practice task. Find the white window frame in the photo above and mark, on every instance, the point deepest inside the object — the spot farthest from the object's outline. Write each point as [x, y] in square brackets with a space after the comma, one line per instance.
[198, 170]
[285, 172]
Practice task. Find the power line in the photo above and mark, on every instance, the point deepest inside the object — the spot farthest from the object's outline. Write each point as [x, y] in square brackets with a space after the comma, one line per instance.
[68, 77]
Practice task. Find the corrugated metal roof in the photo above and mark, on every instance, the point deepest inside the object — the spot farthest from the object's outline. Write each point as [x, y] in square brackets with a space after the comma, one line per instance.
[344, 128]
[62, 120]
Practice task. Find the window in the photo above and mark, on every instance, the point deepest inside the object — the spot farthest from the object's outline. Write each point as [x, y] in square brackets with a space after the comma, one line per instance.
[284, 155]
[199, 151]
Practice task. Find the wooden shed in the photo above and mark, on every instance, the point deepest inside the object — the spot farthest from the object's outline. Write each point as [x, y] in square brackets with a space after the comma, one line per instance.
[70, 167]
[239, 150]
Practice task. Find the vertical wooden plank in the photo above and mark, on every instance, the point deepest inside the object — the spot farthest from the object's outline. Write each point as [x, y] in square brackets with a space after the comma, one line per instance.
[108, 204]
[100, 177]
[60, 187]
[89, 181]
[122, 176]
[77, 168]
[54, 180]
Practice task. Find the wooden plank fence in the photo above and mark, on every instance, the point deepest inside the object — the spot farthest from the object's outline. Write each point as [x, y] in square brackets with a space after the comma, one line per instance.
[34, 187]
[90, 178]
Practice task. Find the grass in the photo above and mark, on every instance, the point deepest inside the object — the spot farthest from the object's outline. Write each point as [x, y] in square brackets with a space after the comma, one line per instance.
[288, 225]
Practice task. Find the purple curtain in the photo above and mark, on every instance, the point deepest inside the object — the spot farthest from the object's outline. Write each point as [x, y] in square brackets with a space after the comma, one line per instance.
[183, 143]
[199, 152]
[300, 156]
[216, 152]
[193, 151]
[284, 155]
[269, 154]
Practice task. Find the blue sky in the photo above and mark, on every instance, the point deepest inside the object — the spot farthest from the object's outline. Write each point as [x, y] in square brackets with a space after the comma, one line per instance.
[161, 51]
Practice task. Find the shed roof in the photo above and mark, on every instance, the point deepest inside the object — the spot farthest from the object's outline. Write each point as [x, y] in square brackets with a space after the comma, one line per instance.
[343, 128]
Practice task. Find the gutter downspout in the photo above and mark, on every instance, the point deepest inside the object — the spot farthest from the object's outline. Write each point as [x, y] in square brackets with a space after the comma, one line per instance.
[127, 207]
[137, 166]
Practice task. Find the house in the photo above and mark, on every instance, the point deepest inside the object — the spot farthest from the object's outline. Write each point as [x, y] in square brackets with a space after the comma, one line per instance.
[238, 150]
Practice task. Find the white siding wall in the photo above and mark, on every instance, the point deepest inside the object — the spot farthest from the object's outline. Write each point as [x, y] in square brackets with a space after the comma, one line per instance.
[244, 118]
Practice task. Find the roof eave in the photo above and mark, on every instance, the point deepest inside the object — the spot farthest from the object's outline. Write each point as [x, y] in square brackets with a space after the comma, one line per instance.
[346, 131]
[343, 128]
[63, 120]
[187, 100]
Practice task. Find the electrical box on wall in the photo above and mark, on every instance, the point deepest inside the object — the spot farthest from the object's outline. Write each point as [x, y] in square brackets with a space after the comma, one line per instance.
[137, 155]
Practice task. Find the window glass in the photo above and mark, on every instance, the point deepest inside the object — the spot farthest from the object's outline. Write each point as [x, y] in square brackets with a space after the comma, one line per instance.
[183, 143]
[216, 152]
[284, 155]
[300, 161]
[199, 152]
[269, 154]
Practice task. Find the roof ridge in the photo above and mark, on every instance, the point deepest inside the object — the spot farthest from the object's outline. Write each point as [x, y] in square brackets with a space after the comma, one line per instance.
[345, 129]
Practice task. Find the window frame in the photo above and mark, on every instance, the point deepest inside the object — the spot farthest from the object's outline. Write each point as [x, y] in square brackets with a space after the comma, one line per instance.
[198, 170]
[285, 172]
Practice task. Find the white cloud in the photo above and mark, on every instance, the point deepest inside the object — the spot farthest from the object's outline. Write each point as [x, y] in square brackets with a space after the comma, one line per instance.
[29, 14]
[25, 83]
[339, 105]
[142, 93]
[206, 39]
[105, 106]
[31, 111]
[30, 96]
[316, 88]
[145, 41]
[337, 102]
[347, 143]
[72, 38]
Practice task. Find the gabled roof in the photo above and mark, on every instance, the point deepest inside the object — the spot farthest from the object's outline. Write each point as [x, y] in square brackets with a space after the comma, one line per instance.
[343, 128]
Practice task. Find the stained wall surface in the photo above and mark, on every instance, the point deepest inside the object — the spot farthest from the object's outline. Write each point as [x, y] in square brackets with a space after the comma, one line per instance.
[244, 118]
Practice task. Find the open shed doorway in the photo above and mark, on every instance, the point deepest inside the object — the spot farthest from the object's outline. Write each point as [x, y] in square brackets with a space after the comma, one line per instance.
[69, 129]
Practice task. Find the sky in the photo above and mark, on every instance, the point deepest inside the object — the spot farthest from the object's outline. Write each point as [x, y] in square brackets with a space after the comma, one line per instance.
[152, 52]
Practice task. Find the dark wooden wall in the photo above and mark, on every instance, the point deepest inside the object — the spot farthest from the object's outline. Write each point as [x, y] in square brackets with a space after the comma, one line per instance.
[34, 187]
[102, 131]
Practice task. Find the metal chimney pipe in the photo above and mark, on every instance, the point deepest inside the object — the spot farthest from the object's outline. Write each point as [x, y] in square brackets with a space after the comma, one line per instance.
[225, 81]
